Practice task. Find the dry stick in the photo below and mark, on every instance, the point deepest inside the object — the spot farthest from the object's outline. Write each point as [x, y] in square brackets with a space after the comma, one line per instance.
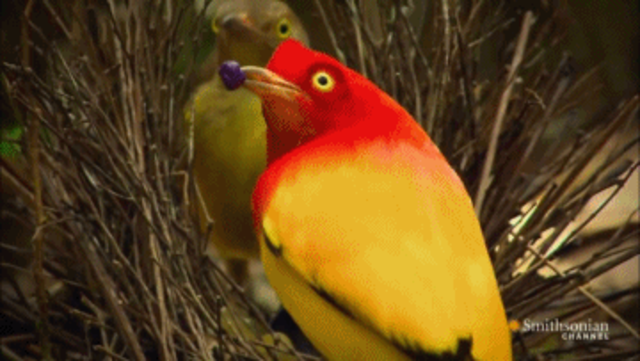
[234, 322]
[34, 148]
[356, 21]
[26, 49]
[465, 80]
[100, 322]
[416, 44]
[502, 110]
[159, 284]
[618, 355]
[57, 19]
[332, 36]
[618, 187]
[146, 211]
[118, 253]
[446, 70]
[416, 89]
[616, 240]
[10, 355]
[370, 14]
[612, 174]
[588, 294]
[11, 176]
[121, 53]
[472, 16]
[190, 155]
[138, 123]
[197, 330]
[447, 35]
[108, 352]
[535, 267]
[627, 110]
[38, 269]
[490, 33]
[108, 289]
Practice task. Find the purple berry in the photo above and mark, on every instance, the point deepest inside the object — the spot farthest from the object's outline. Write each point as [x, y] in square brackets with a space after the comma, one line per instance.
[232, 76]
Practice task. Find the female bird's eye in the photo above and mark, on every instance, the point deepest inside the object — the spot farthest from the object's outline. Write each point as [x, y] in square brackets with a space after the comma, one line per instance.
[284, 28]
[323, 81]
[214, 26]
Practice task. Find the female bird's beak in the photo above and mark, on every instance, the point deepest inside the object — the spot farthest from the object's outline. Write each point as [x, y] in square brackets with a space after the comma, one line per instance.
[270, 87]
[241, 26]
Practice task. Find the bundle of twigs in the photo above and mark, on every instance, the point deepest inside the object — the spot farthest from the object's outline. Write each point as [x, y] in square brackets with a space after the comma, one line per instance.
[119, 267]
[106, 198]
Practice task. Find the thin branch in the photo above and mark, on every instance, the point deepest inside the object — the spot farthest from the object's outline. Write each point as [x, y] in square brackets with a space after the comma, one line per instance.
[485, 178]
[589, 295]
[330, 31]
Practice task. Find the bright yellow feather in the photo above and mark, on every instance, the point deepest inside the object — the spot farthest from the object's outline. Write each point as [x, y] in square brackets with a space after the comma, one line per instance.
[402, 252]
[333, 334]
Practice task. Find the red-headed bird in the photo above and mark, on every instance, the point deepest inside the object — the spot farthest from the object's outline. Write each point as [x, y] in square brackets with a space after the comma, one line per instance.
[367, 234]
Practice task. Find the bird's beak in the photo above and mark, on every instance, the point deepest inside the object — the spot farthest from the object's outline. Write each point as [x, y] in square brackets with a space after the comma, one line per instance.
[241, 25]
[270, 87]
[283, 103]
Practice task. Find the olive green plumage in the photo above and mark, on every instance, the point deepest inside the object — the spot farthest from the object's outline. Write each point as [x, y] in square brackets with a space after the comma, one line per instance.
[229, 132]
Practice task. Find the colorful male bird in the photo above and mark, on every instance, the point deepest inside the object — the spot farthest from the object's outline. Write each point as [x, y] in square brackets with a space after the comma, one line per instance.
[229, 130]
[367, 234]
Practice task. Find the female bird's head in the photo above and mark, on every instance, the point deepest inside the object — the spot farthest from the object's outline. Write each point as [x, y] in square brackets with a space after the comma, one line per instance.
[249, 31]
[307, 94]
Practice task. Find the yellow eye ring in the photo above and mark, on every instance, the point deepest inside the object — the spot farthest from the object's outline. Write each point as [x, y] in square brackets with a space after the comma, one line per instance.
[283, 28]
[323, 82]
[214, 26]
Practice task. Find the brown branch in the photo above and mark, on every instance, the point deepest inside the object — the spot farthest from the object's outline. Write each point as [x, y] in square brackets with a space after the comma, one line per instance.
[589, 295]
[38, 239]
[330, 31]
[108, 289]
[485, 178]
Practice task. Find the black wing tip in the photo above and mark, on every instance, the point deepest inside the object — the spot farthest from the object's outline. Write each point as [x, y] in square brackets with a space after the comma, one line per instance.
[415, 352]
[327, 297]
[275, 249]
[462, 353]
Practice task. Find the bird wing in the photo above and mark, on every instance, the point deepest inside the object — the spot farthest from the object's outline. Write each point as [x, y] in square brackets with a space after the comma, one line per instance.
[229, 153]
[388, 237]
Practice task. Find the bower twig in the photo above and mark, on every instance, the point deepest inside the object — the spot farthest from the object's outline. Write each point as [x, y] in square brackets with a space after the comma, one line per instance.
[119, 253]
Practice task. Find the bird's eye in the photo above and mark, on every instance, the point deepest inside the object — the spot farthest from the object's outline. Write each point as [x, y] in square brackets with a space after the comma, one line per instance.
[283, 28]
[323, 82]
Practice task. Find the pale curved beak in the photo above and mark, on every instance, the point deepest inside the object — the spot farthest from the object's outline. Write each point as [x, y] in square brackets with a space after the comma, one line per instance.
[283, 102]
[269, 85]
[236, 21]
[242, 26]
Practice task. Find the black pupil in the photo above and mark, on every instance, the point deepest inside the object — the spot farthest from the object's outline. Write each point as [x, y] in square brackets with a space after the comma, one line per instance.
[322, 80]
[284, 28]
